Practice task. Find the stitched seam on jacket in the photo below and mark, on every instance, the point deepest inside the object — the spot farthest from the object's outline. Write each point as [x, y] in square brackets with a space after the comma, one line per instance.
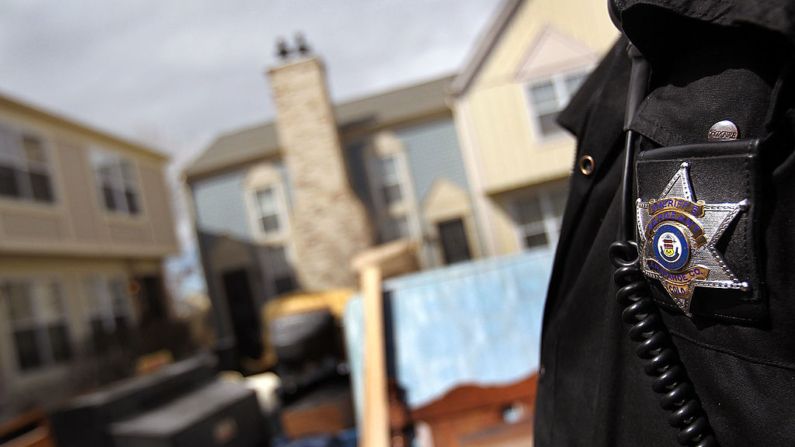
[656, 128]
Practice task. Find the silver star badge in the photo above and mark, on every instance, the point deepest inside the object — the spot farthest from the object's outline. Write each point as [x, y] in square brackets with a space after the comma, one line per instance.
[677, 237]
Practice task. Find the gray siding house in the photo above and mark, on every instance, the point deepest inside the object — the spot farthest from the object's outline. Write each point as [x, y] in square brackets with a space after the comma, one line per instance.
[258, 206]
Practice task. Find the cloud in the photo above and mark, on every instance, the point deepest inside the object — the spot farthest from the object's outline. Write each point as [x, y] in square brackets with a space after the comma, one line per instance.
[192, 69]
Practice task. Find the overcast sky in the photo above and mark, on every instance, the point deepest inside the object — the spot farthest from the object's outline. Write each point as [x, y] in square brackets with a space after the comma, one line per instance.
[175, 74]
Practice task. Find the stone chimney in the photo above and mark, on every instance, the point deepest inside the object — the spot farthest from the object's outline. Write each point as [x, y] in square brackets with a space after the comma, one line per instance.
[329, 223]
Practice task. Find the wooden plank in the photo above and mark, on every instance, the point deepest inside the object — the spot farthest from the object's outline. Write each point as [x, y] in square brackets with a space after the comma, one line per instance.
[38, 437]
[471, 397]
[322, 412]
[376, 405]
[471, 415]
[393, 259]
[514, 435]
[35, 416]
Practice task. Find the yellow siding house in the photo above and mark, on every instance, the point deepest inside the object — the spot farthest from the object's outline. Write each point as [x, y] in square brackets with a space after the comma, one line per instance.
[525, 69]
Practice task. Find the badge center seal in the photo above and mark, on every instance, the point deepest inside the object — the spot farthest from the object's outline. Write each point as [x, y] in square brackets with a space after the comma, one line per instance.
[671, 246]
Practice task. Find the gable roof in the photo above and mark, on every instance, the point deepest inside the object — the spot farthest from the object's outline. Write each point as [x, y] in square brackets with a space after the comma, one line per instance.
[236, 148]
[394, 106]
[9, 103]
[261, 141]
[553, 52]
[478, 57]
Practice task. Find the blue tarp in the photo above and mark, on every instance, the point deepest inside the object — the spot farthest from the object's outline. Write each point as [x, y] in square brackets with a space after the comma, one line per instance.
[477, 322]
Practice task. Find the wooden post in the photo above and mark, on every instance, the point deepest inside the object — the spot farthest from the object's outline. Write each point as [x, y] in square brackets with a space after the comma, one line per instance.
[374, 265]
[376, 404]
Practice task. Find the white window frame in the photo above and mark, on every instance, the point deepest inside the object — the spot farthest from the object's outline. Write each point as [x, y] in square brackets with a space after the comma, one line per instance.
[562, 96]
[255, 213]
[107, 313]
[399, 180]
[38, 322]
[119, 184]
[550, 223]
[405, 208]
[25, 186]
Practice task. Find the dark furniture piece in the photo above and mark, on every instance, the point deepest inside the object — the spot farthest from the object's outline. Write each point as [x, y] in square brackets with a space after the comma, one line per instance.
[315, 391]
[310, 352]
[169, 407]
[218, 414]
[245, 317]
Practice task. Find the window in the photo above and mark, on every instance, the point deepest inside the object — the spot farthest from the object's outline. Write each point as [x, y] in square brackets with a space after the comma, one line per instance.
[392, 196]
[539, 217]
[266, 204]
[390, 180]
[279, 269]
[109, 313]
[117, 182]
[550, 96]
[267, 208]
[531, 221]
[38, 323]
[24, 167]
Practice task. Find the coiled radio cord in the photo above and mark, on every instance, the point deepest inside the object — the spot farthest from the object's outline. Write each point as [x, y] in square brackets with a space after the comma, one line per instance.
[655, 347]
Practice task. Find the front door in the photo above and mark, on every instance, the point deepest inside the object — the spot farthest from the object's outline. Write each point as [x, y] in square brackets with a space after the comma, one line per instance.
[153, 297]
[245, 317]
[455, 246]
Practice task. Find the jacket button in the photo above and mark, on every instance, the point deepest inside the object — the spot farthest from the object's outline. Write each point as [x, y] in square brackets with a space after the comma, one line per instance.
[586, 164]
[541, 373]
[723, 131]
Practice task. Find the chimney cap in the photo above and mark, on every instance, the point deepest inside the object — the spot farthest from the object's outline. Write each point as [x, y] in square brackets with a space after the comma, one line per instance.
[300, 42]
[282, 50]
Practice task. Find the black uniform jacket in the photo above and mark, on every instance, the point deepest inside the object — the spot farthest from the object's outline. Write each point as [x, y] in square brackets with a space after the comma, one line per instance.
[710, 61]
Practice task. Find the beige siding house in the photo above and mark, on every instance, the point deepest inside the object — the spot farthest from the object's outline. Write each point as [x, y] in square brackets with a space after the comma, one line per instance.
[85, 222]
[524, 71]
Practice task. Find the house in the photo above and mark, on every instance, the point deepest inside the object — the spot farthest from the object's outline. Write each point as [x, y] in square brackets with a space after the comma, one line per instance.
[527, 66]
[285, 205]
[85, 222]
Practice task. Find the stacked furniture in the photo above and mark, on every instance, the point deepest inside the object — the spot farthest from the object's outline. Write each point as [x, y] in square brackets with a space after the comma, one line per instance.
[181, 405]
[315, 391]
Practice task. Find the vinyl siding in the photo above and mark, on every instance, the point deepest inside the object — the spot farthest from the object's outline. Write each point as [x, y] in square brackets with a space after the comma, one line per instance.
[500, 140]
[76, 223]
[220, 208]
[511, 155]
[433, 152]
